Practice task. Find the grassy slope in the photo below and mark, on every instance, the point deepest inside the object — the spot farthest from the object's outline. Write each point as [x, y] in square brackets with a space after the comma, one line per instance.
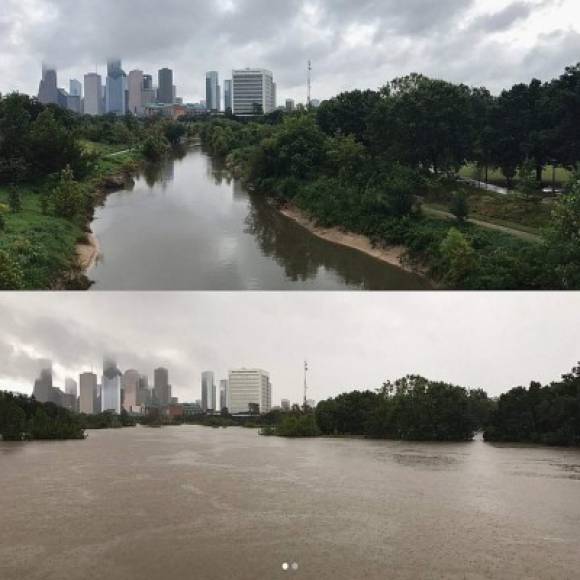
[48, 243]
[496, 177]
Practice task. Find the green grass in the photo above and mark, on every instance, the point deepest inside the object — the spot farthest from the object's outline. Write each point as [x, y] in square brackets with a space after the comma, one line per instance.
[45, 245]
[103, 148]
[496, 177]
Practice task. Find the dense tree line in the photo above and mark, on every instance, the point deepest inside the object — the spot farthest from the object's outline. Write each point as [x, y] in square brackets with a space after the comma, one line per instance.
[23, 417]
[540, 414]
[412, 409]
[364, 160]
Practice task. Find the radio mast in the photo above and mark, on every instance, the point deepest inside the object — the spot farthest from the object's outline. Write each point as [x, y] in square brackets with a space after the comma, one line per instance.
[305, 383]
[309, 97]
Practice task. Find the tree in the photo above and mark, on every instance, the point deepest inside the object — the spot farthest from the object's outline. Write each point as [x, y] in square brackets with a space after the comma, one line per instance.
[459, 206]
[458, 256]
[68, 197]
[12, 421]
[527, 183]
[14, 200]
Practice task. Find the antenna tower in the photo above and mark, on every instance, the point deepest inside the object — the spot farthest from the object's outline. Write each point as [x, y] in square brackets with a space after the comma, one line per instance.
[309, 98]
[305, 383]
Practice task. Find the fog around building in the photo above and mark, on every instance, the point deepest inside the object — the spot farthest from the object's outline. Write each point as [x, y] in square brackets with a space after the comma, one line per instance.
[352, 44]
[351, 340]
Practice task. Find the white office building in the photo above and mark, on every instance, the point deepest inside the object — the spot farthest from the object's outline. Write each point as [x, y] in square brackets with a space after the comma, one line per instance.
[253, 92]
[93, 103]
[88, 393]
[249, 389]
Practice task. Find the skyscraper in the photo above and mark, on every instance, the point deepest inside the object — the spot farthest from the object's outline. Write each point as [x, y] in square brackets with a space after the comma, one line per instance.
[131, 380]
[93, 94]
[212, 92]
[43, 385]
[208, 402]
[48, 89]
[136, 86]
[165, 87]
[75, 88]
[144, 392]
[249, 389]
[111, 387]
[253, 92]
[161, 387]
[290, 105]
[228, 103]
[116, 87]
[88, 394]
[223, 394]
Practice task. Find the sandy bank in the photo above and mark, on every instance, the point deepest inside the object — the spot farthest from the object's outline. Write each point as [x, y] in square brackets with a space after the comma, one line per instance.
[88, 253]
[392, 255]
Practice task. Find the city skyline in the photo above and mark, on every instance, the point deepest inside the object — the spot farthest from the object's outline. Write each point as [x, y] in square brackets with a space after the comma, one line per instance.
[508, 41]
[350, 340]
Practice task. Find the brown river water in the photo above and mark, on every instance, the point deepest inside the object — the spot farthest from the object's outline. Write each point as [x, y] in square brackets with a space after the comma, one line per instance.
[199, 503]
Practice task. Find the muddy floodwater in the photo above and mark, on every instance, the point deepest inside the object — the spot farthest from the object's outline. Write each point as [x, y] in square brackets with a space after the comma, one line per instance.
[188, 225]
[200, 503]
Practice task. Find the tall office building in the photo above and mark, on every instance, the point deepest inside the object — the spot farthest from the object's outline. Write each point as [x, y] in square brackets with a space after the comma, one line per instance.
[111, 387]
[131, 380]
[149, 91]
[75, 88]
[285, 404]
[161, 387]
[88, 393]
[93, 104]
[228, 103]
[70, 396]
[115, 102]
[165, 88]
[223, 394]
[212, 92]
[290, 105]
[144, 398]
[253, 92]
[249, 390]
[48, 89]
[43, 384]
[136, 85]
[208, 394]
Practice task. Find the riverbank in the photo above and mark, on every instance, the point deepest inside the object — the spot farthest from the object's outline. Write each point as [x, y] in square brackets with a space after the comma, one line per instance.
[393, 255]
[88, 252]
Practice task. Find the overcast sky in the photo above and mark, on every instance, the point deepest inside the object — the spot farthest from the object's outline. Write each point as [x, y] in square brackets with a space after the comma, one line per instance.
[353, 44]
[351, 340]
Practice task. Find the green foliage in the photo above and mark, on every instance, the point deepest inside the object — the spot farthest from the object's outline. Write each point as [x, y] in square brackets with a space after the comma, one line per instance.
[155, 146]
[412, 408]
[14, 200]
[23, 417]
[11, 274]
[295, 426]
[68, 197]
[548, 415]
[459, 206]
[458, 256]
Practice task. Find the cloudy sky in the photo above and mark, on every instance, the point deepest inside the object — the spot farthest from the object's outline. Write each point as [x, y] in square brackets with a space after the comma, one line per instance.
[358, 44]
[351, 340]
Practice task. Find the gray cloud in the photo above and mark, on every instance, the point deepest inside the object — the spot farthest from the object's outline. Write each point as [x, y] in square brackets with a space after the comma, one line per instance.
[352, 44]
[494, 341]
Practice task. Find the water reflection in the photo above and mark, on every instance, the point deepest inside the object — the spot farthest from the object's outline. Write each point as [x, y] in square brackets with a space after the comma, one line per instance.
[188, 225]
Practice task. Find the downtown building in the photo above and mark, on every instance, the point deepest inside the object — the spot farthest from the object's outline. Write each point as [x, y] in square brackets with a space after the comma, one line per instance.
[253, 92]
[165, 89]
[94, 101]
[161, 387]
[208, 392]
[116, 88]
[249, 392]
[228, 103]
[212, 92]
[111, 387]
[88, 394]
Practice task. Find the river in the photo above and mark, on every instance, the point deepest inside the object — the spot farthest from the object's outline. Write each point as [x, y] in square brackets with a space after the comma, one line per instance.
[198, 503]
[187, 225]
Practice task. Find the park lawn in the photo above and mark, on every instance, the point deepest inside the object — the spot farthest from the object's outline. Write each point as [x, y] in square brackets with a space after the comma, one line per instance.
[496, 177]
[511, 210]
[103, 148]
